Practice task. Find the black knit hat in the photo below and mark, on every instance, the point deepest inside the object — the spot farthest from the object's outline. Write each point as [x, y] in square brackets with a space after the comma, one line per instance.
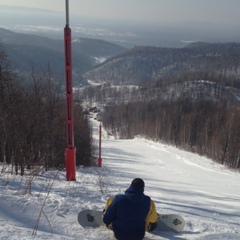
[138, 182]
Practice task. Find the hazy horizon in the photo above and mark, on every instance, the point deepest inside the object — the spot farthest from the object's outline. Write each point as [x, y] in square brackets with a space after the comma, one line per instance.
[136, 30]
[151, 11]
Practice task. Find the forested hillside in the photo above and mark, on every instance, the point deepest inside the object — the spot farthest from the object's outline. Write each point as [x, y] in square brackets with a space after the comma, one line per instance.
[27, 50]
[196, 111]
[188, 97]
[141, 64]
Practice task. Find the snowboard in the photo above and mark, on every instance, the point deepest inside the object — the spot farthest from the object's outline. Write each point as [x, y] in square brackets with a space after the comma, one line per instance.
[166, 222]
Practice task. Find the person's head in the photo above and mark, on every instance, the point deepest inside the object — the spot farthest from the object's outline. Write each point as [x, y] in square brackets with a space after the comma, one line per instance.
[138, 182]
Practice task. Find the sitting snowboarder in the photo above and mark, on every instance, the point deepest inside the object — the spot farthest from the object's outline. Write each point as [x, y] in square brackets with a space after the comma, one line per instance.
[129, 215]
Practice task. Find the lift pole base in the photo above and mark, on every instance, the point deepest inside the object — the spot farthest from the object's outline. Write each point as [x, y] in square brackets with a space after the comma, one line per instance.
[70, 158]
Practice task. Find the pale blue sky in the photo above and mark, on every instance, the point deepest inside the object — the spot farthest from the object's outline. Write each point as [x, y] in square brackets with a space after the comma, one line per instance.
[214, 11]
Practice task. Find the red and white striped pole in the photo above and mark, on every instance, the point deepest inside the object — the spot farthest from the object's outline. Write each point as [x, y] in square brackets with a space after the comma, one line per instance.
[70, 151]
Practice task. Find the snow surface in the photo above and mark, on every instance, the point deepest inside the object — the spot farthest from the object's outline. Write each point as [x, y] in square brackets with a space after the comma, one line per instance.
[206, 194]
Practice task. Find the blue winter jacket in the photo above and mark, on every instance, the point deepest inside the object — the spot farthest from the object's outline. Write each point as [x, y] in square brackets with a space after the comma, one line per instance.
[127, 213]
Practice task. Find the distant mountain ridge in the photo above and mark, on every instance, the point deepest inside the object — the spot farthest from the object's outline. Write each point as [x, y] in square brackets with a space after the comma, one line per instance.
[24, 49]
[142, 64]
[118, 65]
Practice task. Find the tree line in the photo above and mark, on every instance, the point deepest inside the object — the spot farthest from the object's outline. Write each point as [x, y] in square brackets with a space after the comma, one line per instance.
[207, 126]
[32, 122]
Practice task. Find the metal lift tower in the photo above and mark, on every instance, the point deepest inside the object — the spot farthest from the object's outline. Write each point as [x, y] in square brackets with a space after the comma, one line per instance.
[70, 151]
